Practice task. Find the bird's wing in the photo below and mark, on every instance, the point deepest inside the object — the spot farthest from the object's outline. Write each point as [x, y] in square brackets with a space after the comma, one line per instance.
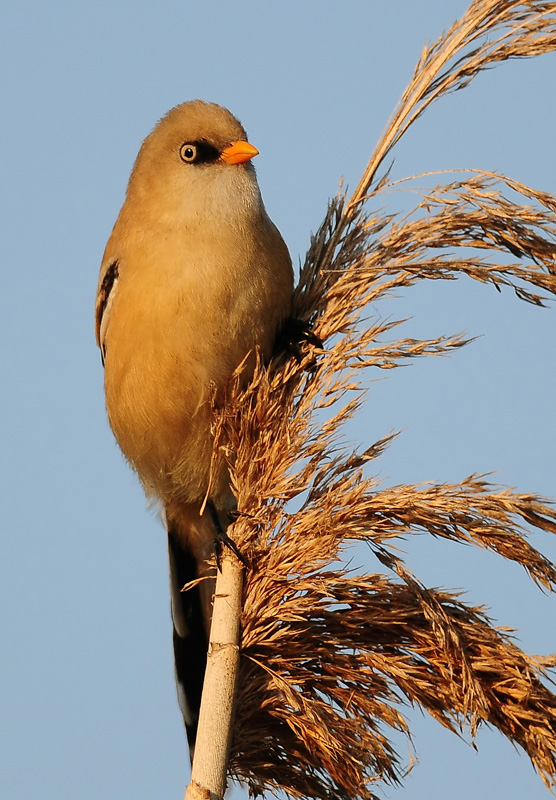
[108, 280]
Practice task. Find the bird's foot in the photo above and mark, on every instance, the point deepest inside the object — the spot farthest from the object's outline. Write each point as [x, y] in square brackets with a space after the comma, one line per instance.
[222, 539]
[294, 335]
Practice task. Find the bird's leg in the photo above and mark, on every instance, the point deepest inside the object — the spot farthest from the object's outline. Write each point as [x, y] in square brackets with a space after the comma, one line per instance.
[234, 515]
[221, 538]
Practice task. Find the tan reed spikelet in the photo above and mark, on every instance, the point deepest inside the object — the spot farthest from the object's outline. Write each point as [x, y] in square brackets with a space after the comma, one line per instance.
[328, 655]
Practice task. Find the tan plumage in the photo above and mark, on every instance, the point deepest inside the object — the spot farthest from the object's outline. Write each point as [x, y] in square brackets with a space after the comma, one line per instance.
[195, 277]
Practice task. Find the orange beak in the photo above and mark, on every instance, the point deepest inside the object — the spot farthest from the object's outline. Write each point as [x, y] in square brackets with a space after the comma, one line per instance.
[239, 153]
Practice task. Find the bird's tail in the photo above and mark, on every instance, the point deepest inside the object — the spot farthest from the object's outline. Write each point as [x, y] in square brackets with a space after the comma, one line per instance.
[191, 611]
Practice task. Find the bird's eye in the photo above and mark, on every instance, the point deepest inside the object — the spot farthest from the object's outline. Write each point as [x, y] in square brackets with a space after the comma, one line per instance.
[188, 153]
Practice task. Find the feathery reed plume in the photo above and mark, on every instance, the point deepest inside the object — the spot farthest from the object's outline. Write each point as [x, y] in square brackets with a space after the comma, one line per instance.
[329, 656]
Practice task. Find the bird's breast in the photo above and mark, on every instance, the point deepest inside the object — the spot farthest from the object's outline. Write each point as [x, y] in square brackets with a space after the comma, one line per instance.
[182, 319]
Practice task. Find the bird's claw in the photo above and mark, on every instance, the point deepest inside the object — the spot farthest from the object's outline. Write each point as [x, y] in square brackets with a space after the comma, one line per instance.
[293, 335]
[222, 539]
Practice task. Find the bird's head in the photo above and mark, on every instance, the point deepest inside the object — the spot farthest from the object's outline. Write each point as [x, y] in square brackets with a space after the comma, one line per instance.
[197, 157]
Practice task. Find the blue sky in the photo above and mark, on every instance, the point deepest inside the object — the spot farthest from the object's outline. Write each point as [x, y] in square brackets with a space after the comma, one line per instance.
[87, 698]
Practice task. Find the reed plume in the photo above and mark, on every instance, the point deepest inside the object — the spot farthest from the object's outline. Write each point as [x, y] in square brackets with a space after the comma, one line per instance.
[329, 656]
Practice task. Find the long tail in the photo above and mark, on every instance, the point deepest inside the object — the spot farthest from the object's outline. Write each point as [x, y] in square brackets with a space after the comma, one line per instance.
[190, 630]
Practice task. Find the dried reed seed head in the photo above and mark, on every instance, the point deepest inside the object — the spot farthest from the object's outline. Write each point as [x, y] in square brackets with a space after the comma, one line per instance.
[328, 656]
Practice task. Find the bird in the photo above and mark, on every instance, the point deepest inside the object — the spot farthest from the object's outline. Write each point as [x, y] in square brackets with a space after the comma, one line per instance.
[195, 281]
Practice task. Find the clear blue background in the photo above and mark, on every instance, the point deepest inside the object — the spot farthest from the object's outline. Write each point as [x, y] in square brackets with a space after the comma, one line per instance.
[87, 701]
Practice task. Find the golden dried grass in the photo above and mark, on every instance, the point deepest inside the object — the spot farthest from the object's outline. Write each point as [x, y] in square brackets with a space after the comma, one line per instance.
[329, 656]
